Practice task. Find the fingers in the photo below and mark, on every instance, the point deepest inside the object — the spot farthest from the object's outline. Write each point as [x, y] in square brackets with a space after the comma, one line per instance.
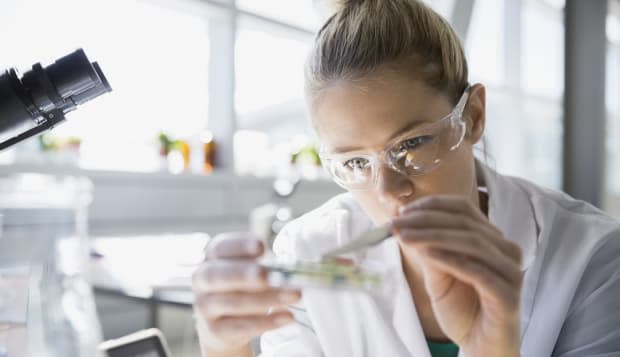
[464, 243]
[238, 245]
[430, 218]
[439, 219]
[244, 328]
[471, 271]
[448, 203]
[237, 303]
[458, 239]
[229, 275]
[233, 296]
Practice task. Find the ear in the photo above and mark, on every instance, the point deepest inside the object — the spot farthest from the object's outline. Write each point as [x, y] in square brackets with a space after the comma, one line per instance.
[475, 113]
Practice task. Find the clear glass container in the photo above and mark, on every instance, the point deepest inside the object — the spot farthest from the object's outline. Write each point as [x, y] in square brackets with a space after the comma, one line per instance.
[46, 303]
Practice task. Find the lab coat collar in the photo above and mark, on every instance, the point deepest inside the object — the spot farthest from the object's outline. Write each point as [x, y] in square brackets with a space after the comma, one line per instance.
[405, 317]
[510, 210]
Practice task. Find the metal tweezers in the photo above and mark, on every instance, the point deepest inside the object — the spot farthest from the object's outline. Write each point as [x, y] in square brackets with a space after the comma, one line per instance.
[369, 238]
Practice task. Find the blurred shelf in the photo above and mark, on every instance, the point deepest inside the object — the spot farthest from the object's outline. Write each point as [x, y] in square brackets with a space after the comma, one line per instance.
[142, 203]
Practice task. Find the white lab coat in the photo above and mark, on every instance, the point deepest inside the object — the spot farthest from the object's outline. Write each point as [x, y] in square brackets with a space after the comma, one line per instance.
[570, 301]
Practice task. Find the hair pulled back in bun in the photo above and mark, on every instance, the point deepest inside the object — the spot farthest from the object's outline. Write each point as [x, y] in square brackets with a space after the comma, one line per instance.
[363, 35]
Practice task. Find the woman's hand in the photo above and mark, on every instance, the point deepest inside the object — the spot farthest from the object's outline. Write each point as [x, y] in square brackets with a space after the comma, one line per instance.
[471, 273]
[233, 298]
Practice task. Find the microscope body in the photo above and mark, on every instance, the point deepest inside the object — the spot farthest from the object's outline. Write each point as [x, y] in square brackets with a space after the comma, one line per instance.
[40, 99]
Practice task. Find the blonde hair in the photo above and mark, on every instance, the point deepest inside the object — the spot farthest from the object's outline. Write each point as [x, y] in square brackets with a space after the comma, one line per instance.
[364, 36]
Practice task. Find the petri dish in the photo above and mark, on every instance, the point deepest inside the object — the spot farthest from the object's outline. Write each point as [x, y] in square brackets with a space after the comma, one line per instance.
[329, 275]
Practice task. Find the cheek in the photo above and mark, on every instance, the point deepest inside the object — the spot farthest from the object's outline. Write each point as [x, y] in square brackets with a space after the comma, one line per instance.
[370, 203]
[455, 175]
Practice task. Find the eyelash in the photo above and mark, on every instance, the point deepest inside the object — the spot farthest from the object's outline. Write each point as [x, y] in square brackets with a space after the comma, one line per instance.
[407, 144]
[417, 141]
[350, 161]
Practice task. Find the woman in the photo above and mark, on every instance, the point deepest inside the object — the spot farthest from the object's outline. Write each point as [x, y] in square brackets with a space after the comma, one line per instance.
[485, 265]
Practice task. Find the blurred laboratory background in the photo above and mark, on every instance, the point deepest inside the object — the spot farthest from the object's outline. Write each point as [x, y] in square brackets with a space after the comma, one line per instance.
[206, 129]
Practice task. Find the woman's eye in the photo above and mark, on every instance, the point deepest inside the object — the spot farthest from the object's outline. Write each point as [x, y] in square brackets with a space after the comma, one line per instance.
[414, 143]
[356, 164]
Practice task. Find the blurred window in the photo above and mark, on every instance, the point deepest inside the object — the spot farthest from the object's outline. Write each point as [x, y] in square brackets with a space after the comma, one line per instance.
[299, 13]
[524, 87]
[269, 92]
[155, 57]
[612, 169]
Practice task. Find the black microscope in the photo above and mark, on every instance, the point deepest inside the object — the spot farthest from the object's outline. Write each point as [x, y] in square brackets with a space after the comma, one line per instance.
[39, 100]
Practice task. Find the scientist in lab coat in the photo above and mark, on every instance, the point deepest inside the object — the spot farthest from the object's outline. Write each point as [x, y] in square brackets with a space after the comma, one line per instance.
[483, 264]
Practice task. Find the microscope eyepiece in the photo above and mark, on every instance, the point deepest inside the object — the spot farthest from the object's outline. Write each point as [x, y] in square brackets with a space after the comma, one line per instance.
[40, 99]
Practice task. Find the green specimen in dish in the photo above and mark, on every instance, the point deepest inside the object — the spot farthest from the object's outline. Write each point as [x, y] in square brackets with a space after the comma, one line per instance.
[330, 274]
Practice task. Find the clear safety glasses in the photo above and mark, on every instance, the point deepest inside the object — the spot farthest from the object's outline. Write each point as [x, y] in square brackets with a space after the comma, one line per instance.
[414, 153]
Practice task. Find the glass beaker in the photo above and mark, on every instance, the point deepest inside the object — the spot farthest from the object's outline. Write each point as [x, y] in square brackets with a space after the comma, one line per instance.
[46, 303]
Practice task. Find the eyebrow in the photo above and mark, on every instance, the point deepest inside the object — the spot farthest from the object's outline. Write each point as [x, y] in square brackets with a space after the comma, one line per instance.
[404, 129]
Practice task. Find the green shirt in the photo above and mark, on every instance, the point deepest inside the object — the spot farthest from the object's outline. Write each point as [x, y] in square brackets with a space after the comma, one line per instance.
[443, 349]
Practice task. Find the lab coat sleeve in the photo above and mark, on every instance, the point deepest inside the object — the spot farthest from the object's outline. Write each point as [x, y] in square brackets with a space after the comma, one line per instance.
[295, 340]
[592, 327]
[306, 238]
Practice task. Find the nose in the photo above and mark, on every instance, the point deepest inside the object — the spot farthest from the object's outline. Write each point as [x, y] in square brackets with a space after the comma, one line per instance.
[393, 188]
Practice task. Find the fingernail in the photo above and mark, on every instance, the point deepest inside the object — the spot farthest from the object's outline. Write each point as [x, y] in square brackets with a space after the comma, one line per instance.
[252, 247]
[288, 297]
[282, 320]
